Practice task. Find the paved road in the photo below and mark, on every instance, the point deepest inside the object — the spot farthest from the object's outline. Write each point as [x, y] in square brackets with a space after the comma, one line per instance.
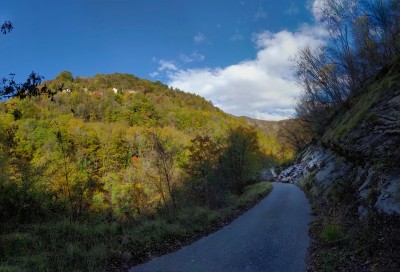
[272, 236]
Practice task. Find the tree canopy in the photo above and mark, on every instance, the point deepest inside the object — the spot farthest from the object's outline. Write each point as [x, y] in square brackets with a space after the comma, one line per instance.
[6, 27]
[128, 152]
[362, 37]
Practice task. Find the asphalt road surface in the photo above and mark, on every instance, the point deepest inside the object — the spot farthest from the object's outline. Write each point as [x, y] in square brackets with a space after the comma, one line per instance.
[272, 236]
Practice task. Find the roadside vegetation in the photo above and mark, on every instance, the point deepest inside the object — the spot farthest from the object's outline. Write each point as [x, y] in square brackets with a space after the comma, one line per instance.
[343, 242]
[95, 244]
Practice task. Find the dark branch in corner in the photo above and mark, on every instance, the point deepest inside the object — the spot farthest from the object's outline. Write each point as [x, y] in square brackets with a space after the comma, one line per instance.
[6, 27]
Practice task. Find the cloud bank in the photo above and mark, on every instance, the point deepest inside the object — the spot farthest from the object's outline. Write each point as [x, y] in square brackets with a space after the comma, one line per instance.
[263, 87]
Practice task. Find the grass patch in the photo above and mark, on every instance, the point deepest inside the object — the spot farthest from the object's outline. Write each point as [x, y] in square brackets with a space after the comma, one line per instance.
[306, 183]
[9, 268]
[359, 112]
[253, 193]
[355, 245]
[196, 219]
[332, 232]
[158, 230]
[331, 261]
[58, 246]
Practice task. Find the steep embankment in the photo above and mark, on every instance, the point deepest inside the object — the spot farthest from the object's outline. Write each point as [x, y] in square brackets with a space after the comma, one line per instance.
[352, 176]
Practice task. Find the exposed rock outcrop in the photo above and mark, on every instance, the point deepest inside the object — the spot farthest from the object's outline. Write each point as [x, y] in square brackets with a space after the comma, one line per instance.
[365, 160]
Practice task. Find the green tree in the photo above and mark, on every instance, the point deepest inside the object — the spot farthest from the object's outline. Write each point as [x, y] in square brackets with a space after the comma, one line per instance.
[201, 167]
[65, 76]
[164, 159]
[240, 161]
[71, 170]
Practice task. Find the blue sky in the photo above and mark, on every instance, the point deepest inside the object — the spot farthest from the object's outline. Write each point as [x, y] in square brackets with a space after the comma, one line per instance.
[233, 52]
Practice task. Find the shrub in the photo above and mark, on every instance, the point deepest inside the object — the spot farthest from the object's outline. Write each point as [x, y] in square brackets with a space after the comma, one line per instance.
[332, 232]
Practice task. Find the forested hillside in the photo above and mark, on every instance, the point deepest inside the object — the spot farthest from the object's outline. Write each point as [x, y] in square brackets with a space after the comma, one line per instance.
[97, 160]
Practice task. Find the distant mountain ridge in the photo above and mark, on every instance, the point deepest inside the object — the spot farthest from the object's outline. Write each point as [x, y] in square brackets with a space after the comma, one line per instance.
[267, 127]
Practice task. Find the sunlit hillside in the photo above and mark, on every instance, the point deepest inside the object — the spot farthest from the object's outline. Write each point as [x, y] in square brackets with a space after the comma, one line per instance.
[116, 150]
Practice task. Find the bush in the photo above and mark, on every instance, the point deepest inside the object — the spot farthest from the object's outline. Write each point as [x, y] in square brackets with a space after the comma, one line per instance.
[332, 232]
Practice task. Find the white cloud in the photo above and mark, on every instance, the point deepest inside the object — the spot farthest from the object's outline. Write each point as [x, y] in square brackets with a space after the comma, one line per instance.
[199, 38]
[237, 36]
[316, 7]
[166, 65]
[154, 74]
[263, 87]
[292, 9]
[195, 56]
[260, 14]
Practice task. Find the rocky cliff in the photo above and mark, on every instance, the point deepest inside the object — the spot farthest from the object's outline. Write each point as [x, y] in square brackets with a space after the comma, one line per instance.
[359, 152]
[352, 177]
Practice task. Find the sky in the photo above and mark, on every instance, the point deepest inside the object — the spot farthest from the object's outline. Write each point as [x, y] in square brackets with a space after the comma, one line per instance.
[235, 53]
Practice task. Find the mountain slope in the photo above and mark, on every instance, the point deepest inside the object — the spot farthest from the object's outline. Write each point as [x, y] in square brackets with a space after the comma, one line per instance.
[113, 169]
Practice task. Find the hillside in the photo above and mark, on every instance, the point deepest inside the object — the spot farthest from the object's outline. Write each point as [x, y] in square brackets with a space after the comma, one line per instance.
[268, 127]
[123, 97]
[352, 177]
[277, 142]
[114, 169]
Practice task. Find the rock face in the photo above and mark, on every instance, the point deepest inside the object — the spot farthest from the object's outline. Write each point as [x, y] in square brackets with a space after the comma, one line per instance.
[268, 174]
[389, 199]
[366, 160]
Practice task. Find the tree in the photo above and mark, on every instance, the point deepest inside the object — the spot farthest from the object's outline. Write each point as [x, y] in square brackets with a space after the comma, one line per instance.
[6, 27]
[203, 157]
[22, 196]
[362, 37]
[65, 76]
[294, 133]
[201, 167]
[31, 87]
[71, 169]
[164, 158]
[27, 89]
[240, 161]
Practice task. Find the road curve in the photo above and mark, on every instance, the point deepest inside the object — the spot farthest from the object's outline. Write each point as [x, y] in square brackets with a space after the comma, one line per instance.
[272, 236]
